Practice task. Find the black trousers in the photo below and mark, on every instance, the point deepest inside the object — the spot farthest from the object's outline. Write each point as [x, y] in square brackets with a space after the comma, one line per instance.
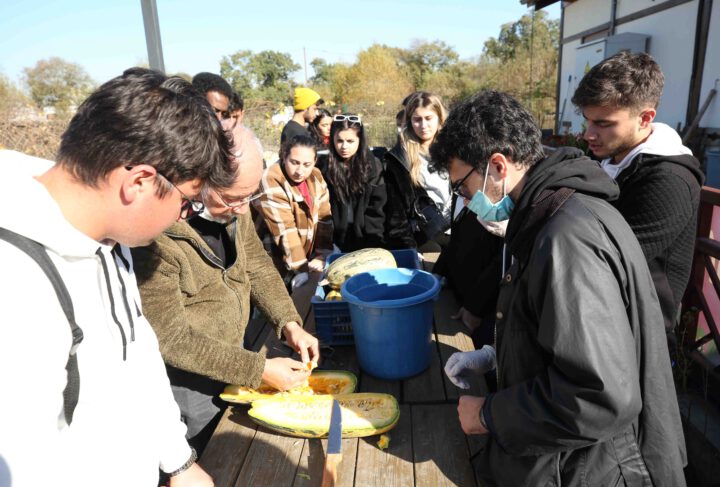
[200, 406]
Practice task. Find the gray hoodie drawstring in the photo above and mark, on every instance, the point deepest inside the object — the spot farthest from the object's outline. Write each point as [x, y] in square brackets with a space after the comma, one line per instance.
[117, 253]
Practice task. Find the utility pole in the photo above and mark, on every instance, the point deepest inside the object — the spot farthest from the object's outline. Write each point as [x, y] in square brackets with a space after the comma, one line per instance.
[152, 35]
[305, 63]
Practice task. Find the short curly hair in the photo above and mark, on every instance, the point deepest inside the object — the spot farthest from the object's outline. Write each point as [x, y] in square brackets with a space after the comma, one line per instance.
[205, 82]
[488, 122]
[625, 80]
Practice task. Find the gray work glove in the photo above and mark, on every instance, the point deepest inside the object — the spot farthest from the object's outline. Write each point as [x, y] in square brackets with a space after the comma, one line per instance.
[299, 280]
[461, 364]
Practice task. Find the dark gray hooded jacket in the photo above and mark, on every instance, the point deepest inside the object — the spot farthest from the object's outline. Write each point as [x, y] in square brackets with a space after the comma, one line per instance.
[585, 389]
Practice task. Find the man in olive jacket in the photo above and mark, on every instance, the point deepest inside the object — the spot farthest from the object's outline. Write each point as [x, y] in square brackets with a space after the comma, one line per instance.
[197, 281]
[585, 390]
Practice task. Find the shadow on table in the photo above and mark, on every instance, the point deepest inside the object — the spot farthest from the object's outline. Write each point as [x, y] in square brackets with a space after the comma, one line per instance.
[427, 448]
[242, 453]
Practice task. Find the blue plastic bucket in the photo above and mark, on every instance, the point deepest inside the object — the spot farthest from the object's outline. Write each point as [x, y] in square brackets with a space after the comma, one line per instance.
[392, 315]
[712, 167]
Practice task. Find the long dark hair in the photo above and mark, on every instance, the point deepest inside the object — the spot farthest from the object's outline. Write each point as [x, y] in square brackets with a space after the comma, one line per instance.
[315, 131]
[348, 177]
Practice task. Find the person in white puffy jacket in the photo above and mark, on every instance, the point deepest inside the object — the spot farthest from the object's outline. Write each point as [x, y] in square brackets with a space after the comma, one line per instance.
[132, 159]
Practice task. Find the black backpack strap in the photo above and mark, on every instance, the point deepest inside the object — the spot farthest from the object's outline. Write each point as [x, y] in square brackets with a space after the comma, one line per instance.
[39, 255]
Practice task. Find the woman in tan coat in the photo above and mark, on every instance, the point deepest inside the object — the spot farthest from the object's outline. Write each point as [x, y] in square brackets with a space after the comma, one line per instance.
[295, 206]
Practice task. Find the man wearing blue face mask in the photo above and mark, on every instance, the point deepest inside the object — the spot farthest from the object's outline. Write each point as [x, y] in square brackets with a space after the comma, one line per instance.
[585, 390]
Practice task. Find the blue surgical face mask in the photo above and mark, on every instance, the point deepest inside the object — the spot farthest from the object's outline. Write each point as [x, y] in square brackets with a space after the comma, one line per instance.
[481, 205]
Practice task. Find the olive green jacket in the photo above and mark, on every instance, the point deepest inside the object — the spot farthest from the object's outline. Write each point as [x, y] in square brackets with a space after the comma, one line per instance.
[199, 309]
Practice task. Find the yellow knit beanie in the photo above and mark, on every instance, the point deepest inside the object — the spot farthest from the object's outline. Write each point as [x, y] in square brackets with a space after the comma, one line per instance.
[305, 97]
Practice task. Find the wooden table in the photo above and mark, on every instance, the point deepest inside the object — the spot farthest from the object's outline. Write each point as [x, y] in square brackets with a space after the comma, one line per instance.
[427, 447]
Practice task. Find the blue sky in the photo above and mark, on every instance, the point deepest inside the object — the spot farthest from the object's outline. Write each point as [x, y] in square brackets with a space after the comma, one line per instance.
[107, 36]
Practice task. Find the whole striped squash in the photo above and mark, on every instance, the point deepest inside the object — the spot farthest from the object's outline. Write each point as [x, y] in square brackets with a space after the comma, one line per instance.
[362, 260]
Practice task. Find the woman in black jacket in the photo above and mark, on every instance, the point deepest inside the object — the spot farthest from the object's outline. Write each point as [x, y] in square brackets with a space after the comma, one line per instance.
[419, 197]
[472, 263]
[357, 187]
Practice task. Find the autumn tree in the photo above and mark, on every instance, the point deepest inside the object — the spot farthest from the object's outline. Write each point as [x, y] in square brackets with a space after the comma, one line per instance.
[324, 71]
[523, 60]
[11, 98]
[424, 58]
[260, 76]
[325, 77]
[57, 83]
[455, 82]
[376, 79]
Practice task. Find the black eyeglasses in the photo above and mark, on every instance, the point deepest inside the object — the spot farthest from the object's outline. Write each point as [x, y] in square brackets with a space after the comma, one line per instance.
[189, 207]
[349, 118]
[457, 187]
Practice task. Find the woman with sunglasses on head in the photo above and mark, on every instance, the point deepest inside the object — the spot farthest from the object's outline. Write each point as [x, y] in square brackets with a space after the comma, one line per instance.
[295, 206]
[320, 129]
[357, 188]
[419, 198]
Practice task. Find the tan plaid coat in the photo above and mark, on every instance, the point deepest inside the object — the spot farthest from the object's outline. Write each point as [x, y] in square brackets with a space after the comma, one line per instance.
[298, 231]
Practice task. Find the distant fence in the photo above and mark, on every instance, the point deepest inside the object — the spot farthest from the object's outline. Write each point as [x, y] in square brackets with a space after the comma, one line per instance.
[42, 138]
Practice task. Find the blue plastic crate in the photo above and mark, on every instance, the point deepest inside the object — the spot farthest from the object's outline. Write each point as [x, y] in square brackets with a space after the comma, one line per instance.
[332, 318]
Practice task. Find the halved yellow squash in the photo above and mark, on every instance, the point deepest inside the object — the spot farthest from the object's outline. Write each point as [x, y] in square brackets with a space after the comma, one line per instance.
[363, 414]
[333, 296]
[319, 382]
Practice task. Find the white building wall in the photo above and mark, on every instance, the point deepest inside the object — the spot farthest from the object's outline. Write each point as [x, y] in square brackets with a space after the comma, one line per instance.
[711, 72]
[586, 14]
[627, 7]
[672, 44]
[568, 84]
